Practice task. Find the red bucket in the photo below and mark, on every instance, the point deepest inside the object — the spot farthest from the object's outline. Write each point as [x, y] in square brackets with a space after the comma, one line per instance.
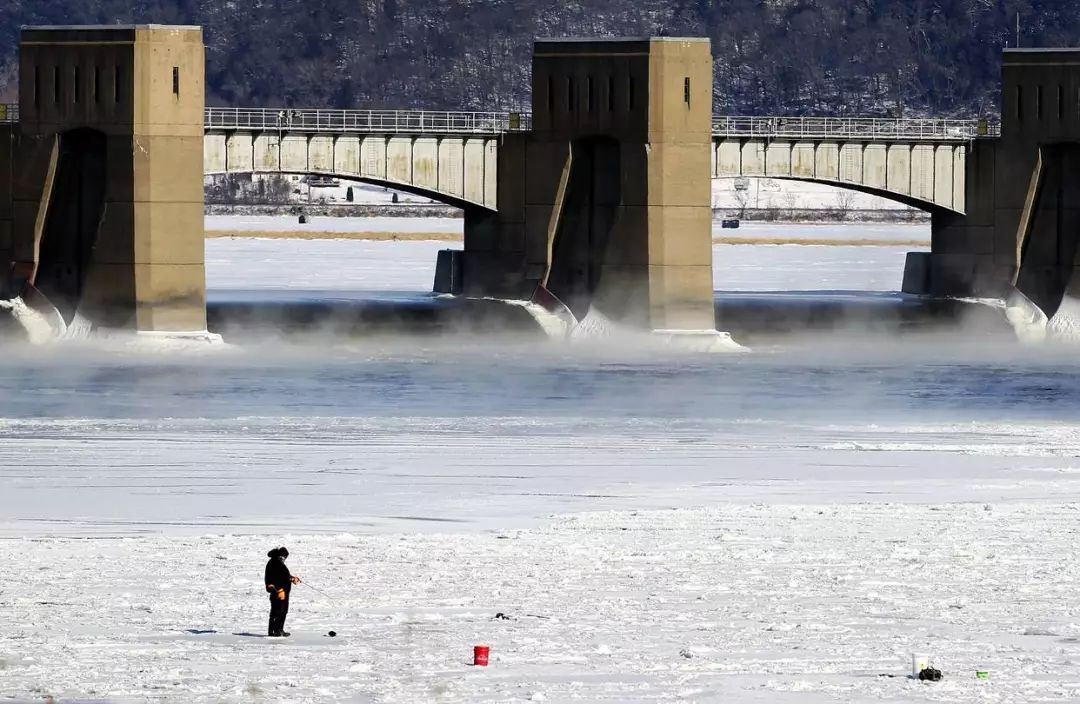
[480, 655]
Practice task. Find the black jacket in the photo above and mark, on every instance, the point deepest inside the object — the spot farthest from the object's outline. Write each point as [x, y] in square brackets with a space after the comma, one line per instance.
[277, 573]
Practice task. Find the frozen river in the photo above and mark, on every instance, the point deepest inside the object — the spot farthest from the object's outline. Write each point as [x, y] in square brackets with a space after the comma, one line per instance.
[783, 526]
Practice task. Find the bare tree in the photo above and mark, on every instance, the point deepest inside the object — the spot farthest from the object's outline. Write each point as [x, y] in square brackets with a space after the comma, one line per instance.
[845, 201]
[742, 198]
[788, 211]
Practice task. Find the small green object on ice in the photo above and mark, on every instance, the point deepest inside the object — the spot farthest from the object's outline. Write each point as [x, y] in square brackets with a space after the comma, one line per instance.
[982, 675]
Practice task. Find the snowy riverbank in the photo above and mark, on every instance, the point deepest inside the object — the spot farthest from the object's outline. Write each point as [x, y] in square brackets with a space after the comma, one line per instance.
[452, 229]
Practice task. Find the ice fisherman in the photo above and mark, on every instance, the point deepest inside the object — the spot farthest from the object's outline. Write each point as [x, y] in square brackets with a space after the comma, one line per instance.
[279, 583]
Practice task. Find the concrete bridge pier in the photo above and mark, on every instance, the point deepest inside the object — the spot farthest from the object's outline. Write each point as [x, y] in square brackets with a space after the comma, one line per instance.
[106, 218]
[607, 202]
[971, 254]
[1021, 230]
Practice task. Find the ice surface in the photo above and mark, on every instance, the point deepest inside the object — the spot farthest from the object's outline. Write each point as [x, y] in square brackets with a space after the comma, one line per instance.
[282, 223]
[785, 526]
[735, 602]
[321, 265]
[877, 233]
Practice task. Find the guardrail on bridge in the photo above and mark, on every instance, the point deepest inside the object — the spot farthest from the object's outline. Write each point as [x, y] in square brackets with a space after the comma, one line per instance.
[859, 128]
[373, 121]
[443, 122]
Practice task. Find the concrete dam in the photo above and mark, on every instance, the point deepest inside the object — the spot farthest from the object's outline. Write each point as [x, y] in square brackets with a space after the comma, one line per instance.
[596, 200]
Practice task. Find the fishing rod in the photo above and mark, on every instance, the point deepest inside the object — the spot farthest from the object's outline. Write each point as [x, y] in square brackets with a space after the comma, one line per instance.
[318, 591]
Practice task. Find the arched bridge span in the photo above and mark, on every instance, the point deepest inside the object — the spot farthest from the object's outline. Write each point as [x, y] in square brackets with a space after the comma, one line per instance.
[917, 162]
[453, 157]
[450, 157]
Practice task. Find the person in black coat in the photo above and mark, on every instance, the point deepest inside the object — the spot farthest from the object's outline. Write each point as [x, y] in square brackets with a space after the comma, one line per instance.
[279, 583]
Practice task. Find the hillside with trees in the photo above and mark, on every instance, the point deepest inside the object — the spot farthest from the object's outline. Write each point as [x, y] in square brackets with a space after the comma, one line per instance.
[884, 57]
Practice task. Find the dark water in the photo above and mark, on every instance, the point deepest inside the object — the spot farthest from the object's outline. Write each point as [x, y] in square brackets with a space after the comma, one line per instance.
[824, 356]
[852, 379]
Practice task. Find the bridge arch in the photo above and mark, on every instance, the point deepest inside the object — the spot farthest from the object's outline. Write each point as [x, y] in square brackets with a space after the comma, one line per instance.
[929, 175]
[459, 170]
[934, 209]
[412, 189]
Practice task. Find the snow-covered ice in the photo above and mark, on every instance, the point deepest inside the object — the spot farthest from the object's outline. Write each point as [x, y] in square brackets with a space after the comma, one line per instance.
[784, 526]
[322, 265]
[336, 265]
[736, 602]
[875, 233]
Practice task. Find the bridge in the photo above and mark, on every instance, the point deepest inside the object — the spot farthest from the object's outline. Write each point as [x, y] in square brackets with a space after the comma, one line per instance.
[920, 162]
[453, 156]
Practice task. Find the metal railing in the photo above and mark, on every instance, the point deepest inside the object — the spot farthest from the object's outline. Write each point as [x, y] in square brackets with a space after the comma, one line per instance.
[441, 122]
[859, 128]
[374, 121]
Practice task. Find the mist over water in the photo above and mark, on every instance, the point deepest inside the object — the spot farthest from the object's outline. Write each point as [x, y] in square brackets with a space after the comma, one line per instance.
[391, 409]
[485, 431]
[819, 377]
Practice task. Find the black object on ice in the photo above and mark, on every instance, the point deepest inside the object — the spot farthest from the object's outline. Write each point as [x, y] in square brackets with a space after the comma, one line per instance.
[332, 633]
[930, 674]
[502, 617]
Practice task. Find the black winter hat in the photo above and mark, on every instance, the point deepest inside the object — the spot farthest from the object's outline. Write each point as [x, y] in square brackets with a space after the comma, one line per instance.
[281, 552]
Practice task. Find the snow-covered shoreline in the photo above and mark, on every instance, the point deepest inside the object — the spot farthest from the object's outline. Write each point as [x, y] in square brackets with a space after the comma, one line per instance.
[384, 228]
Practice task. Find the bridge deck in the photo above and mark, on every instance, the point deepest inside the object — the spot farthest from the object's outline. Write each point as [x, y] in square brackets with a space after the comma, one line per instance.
[491, 123]
[367, 121]
[453, 155]
[870, 129]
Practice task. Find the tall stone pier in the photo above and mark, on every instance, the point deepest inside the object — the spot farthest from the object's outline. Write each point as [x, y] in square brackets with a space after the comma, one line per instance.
[107, 198]
[606, 203]
[1022, 224]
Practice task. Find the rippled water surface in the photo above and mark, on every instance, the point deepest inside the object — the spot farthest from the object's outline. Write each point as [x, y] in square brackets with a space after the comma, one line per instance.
[847, 378]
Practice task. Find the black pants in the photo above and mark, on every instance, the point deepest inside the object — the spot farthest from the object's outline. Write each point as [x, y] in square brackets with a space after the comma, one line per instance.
[279, 609]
